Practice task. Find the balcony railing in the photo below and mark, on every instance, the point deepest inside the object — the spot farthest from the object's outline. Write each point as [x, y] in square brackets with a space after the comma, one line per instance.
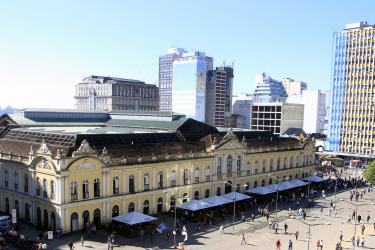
[85, 195]
[229, 174]
[208, 177]
[97, 194]
[219, 176]
[74, 197]
[239, 173]
[173, 183]
[146, 187]
[116, 191]
[196, 179]
[248, 172]
[45, 195]
[160, 184]
[52, 196]
[38, 192]
[186, 181]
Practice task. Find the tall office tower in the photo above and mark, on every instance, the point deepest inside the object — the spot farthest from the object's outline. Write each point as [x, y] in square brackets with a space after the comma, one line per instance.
[166, 77]
[314, 110]
[219, 88]
[112, 93]
[351, 129]
[268, 89]
[242, 105]
[293, 87]
[189, 84]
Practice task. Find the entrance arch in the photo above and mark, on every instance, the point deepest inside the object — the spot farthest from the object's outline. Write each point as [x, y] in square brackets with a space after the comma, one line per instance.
[146, 207]
[97, 218]
[45, 218]
[53, 221]
[85, 219]
[74, 222]
[160, 206]
[218, 191]
[27, 212]
[228, 187]
[38, 217]
[115, 211]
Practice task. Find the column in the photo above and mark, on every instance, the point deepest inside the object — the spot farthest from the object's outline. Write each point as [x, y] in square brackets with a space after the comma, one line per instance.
[123, 183]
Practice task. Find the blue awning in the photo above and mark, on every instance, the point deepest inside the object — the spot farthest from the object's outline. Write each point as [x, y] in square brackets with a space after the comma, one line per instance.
[194, 205]
[134, 218]
[314, 178]
[217, 201]
[272, 188]
[235, 196]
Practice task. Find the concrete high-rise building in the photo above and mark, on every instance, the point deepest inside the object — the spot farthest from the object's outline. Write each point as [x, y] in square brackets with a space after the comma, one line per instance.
[276, 116]
[268, 89]
[293, 87]
[166, 77]
[189, 84]
[219, 88]
[352, 109]
[314, 109]
[112, 93]
[242, 105]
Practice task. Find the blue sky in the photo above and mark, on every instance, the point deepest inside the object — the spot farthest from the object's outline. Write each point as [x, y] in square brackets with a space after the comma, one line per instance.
[48, 46]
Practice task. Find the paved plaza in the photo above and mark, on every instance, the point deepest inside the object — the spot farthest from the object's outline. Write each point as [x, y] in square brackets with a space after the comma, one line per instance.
[257, 234]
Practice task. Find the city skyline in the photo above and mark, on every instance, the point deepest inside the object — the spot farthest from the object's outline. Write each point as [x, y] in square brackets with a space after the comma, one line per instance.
[50, 47]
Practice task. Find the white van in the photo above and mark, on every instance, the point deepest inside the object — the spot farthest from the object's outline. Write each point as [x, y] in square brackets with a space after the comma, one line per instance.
[5, 222]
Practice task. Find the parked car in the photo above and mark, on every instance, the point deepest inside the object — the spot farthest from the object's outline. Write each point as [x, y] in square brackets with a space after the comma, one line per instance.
[5, 222]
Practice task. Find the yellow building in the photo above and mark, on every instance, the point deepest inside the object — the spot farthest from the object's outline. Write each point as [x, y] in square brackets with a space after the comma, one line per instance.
[64, 173]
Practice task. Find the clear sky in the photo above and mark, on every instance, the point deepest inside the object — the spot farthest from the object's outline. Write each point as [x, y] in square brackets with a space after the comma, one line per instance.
[48, 46]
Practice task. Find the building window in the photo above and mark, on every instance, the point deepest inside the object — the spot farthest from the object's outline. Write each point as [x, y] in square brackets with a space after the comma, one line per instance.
[186, 177]
[271, 165]
[239, 163]
[278, 164]
[26, 183]
[96, 188]
[197, 175]
[285, 162]
[131, 207]
[256, 167]
[208, 174]
[264, 166]
[291, 162]
[115, 211]
[38, 186]
[229, 164]
[16, 181]
[52, 188]
[160, 180]
[145, 181]
[6, 178]
[73, 191]
[219, 166]
[85, 189]
[255, 184]
[207, 193]
[218, 191]
[263, 183]
[131, 184]
[297, 162]
[173, 178]
[146, 207]
[116, 185]
[196, 195]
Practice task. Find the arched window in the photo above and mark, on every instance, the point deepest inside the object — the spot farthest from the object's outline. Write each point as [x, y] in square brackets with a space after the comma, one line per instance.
[115, 211]
[7, 208]
[160, 205]
[146, 207]
[16, 179]
[73, 191]
[74, 222]
[290, 177]
[26, 183]
[172, 201]
[160, 180]
[264, 166]
[304, 160]
[255, 184]
[229, 164]
[116, 185]
[131, 207]
[208, 174]
[197, 175]
[219, 169]
[296, 176]
[285, 162]
[297, 161]
[207, 193]
[186, 177]
[270, 181]
[239, 164]
[263, 183]
[291, 162]
[131, 184]
[184, 197]
[247, 186]
[196, 195]
[256, 167]
[17, 207]
[38, 186]
[6, 178]
[96, 188]
[85, 189]
[52, 188]
[218, 191]
[271, 165]
[238, 188]
[45, 188]
[173, 178]
[278, 164]
[145, 181]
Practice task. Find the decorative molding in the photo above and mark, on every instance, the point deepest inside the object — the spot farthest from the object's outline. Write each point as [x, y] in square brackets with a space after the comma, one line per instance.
[84, 149]
[44, 149]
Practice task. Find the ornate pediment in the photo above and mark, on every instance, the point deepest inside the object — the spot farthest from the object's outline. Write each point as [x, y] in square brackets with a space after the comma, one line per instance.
[44, 149]
[84, 149]
[233, 144]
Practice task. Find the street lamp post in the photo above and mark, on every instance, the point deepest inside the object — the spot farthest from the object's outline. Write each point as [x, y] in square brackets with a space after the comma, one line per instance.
[234, 201]
[175, 216]
[277, 191]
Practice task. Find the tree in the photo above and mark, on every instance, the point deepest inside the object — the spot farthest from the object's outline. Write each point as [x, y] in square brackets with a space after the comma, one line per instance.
[369, 173]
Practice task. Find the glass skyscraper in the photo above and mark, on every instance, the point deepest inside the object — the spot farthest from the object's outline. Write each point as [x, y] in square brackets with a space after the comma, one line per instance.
[352, 110]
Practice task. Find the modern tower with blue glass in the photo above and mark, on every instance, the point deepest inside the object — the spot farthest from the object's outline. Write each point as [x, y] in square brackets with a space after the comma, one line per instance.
[351, 129]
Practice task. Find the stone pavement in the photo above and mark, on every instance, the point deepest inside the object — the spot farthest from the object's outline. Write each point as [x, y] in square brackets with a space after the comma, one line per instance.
[257, 234]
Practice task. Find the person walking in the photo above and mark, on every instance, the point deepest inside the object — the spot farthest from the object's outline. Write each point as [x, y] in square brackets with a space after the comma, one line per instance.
[359, 217]
[290, 244]
[276, 227]
[82, 240]
[243, 241]
[341, 236]
[363, 229]
[321, 244]
[363, 242]
[358, 240]
[71, 246]
[353, 241]
[296, 234]
[278, 244]
[318, 245]
[368, 218]
[349, 219]
[285, 227]
[221, 229]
